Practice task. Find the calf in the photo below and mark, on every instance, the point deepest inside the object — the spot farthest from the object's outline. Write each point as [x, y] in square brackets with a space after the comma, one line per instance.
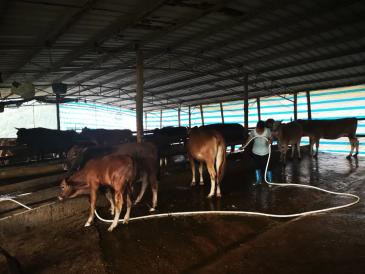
[288, 134]
[144, 154]
[115, 171]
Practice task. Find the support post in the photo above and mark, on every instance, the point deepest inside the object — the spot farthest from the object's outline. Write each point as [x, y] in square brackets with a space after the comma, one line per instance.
[161, 118]
[145, 121]
[139, 95]
[258, 108]
[189, 116]
[245, 100]
[202, 114]
[179, 115]
[58, 111]
[295, 106]
[222, 114]
[309, 107]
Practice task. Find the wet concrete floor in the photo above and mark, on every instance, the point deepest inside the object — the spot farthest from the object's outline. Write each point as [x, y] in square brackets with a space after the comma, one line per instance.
[331, 242]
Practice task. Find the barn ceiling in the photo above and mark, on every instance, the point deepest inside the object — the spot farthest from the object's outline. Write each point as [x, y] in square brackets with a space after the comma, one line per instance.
[194, 51]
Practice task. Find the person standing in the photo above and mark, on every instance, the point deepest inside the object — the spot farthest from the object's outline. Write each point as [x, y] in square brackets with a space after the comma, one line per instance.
[260, 150]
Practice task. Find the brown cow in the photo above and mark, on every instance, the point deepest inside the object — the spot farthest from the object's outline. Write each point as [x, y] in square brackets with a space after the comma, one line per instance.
[331, 129]
[207, 146]
[115, 171]
[288, 134]
[145, 154]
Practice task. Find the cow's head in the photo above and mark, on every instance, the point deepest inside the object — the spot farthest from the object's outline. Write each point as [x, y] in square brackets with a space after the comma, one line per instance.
[269, 123]
[71, 189]
[276, 128]
[72, 155]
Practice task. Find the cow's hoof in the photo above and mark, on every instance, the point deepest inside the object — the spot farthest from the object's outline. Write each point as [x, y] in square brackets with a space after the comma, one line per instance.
[192, 184]
[210, 196]
[87, 224]
[110, 229]
[219, 195]
[152, 209]
[201, 183]
[125, 222]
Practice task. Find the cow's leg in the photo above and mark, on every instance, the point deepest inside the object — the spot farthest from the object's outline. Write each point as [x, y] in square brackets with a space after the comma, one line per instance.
[93, 193]
[109, 196]
[218, 162]
[118, 198]
[154, 187]
[298, 150]
[311, 143]
[201, 179]
[317, 146]
[213, 177]
[143, 188]
[292, 150]
[356, 144]
[128, 212]
[285, 149]
[192, 166]
[352, 148]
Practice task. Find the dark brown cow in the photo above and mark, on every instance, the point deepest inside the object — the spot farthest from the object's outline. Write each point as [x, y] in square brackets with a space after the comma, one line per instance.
[207, 146]
[115, 171]
[331, 129]
[288, 134]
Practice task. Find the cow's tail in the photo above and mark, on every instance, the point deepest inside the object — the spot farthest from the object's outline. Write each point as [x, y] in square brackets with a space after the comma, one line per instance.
[220, 158]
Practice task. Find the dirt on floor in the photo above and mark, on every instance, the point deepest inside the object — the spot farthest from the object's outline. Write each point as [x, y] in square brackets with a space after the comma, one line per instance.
[331, 242]
[61, 247]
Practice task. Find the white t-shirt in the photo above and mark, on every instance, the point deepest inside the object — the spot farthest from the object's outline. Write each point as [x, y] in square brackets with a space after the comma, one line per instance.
[260, 146]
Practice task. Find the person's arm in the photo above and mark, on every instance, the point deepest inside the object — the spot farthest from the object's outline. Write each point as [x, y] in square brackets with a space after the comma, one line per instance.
[250, 137]
[269, 137]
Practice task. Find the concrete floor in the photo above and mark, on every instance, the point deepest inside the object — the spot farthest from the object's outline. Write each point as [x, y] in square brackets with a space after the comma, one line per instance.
[324, 243]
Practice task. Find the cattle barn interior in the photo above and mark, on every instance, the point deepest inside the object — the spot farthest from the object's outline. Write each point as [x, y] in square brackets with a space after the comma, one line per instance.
[148, 72]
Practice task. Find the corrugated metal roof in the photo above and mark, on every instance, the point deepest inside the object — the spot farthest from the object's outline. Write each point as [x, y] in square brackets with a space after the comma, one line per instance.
[194, 51]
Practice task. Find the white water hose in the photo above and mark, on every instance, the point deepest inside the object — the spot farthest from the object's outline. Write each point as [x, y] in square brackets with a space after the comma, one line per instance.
[245, 213]
[9, 197]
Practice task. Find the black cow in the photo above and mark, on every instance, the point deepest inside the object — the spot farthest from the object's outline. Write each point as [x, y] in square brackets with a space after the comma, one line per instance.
[105, 137]
[233, 134]
[169, 141]
[42, 141]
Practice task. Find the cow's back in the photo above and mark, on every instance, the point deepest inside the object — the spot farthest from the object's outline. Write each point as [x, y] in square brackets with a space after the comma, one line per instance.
[330, 129]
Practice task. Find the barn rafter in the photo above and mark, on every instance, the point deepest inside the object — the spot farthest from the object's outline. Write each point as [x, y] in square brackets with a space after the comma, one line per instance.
[194, 51]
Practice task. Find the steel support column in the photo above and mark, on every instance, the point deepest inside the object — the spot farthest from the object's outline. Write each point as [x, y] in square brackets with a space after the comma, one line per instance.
[139, 95]
[245, 99]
